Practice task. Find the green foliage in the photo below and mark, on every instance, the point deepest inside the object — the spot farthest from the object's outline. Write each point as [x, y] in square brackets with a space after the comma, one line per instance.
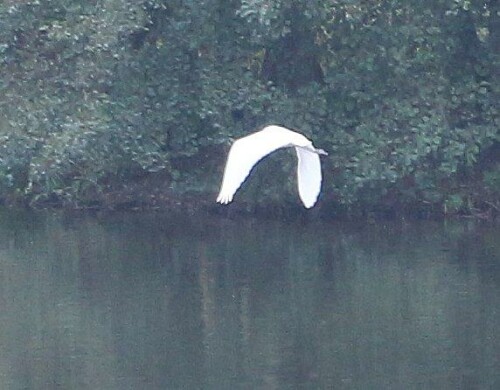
[404, 95]
[492, 179]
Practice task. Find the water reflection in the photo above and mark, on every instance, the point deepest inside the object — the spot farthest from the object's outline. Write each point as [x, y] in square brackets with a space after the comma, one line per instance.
[156, 301]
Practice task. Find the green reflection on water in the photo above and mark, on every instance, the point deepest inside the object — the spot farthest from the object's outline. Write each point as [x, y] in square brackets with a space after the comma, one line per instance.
[163, 301]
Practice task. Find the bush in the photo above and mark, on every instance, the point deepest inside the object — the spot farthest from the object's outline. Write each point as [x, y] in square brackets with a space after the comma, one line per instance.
[402, 95]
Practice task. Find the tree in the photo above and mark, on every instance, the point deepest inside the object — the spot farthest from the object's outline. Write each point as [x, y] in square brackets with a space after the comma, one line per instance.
[403, 94]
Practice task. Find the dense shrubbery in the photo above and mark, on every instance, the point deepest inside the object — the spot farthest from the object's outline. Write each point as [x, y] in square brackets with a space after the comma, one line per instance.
[404, 95]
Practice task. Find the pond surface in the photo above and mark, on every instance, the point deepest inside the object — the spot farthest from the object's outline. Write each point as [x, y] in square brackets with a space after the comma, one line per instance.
[160, 301]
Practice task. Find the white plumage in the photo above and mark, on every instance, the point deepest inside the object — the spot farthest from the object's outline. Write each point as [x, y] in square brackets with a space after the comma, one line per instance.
[248, 151]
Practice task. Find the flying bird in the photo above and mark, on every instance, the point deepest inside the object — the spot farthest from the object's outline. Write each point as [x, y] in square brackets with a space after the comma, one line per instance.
[246, 152]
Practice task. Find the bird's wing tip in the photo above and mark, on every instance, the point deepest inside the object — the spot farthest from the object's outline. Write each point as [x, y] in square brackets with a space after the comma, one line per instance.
[224, 199]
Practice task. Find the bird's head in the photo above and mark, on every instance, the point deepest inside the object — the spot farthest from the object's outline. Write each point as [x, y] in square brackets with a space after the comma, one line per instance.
[311, 148]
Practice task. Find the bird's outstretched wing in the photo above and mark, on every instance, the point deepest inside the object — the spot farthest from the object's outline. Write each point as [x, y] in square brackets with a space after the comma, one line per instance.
[244, 154]
[308, 176]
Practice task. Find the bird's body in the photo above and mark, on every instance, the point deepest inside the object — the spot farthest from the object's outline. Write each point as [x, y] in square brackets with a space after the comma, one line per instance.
[248, 151]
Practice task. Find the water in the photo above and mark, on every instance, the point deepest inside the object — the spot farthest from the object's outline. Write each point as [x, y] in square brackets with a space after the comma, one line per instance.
[158, 301]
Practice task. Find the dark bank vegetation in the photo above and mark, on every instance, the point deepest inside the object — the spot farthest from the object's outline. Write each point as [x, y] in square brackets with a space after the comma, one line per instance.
[133, 103]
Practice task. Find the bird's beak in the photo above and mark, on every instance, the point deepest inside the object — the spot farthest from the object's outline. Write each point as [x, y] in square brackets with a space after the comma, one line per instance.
[322, 152]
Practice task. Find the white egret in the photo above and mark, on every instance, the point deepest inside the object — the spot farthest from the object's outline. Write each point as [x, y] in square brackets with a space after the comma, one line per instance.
[248, 151]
